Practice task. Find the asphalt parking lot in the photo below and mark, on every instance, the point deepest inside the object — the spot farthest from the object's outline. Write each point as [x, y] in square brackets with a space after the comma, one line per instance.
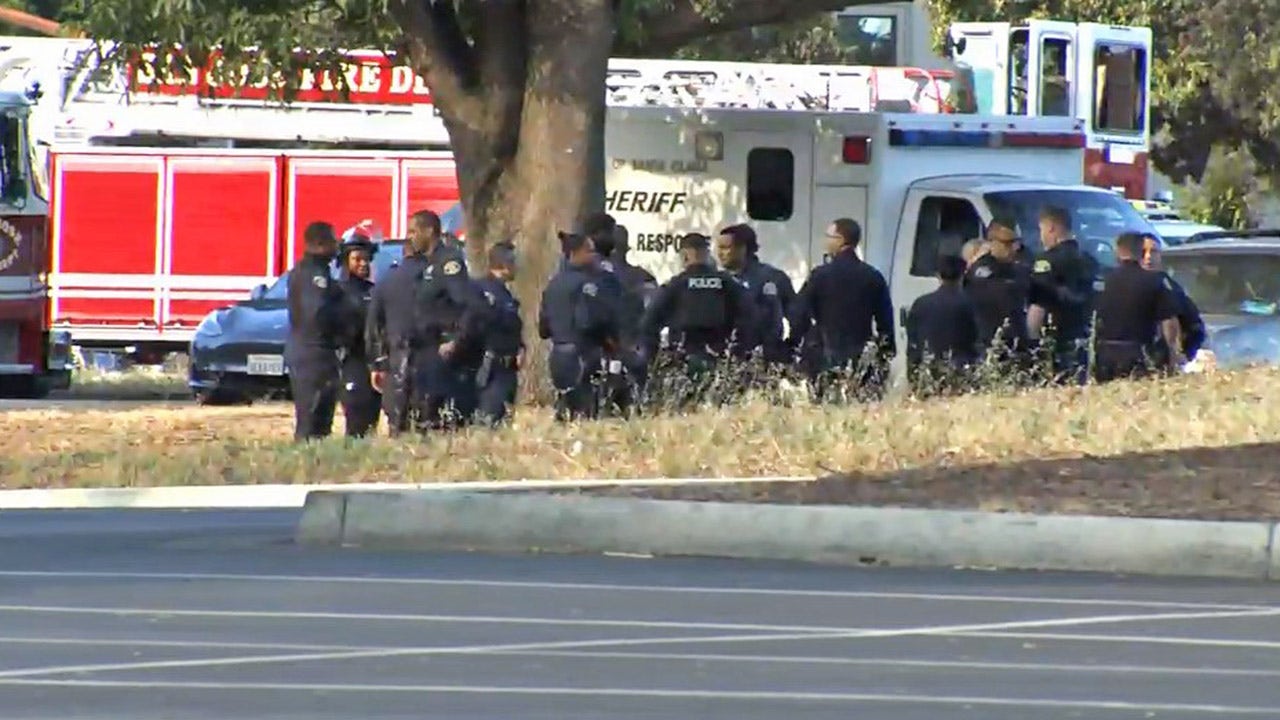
[164, 614]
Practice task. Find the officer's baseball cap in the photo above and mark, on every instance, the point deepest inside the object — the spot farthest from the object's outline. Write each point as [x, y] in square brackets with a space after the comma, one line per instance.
[695, 241]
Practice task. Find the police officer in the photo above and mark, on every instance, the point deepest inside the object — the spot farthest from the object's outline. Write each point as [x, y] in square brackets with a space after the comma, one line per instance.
[390, 334]
[779, 357]
[703, 309]
[316, 320]
[1193, 330]
[581, 324]
[496, 380]
[638, 289]
[452, 314]
[756, 267]
[1062, 292]
[942, 333]
[1135, 307]
[410, 331]
[762, 289]
[848, 303]
[1000, 287]
[360, 402]
[623, 366]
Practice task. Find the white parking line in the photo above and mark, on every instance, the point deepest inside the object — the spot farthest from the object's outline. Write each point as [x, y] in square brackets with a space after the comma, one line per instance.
[412, 617]
[756, 696]
[579, 644]
[1129, 639]
[128, 642]
[611, 587]
[890, 662]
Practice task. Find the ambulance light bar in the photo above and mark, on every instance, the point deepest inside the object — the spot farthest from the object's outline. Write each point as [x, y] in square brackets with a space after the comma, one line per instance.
[983, 138]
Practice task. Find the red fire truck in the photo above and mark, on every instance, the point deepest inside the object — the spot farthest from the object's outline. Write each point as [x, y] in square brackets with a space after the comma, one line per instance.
[33, 359]
[146, 242]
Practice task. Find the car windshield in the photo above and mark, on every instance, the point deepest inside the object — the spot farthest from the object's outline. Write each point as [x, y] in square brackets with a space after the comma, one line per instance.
[1096, 217]
[1232, 283]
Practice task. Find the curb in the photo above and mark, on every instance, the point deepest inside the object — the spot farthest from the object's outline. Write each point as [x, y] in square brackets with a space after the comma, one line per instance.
[835, 535]
[288, 496]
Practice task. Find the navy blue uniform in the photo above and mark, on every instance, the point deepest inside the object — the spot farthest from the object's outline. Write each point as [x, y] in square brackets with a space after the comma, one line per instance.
[450, 308]
[1000, 291]
[638, 288]
[704, 311]
[581, 321]
[1130, 310]
[848, 302]
[702, 308]
[1063, 282]
[391, 342]
[779, 352]
[497, 378]
[620, 363]
[360, 402]
[942, 338]
[765, 295]
[316, 326]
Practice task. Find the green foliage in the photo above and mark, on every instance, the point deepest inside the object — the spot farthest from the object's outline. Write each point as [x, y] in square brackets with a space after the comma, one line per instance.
[1229, 192]
[813, 39]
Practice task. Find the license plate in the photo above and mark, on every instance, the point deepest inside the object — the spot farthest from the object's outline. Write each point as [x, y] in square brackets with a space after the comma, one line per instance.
[266, 365]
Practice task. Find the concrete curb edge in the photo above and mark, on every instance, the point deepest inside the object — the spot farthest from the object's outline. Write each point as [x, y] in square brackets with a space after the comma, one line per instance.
[291, 496]
[825, 534]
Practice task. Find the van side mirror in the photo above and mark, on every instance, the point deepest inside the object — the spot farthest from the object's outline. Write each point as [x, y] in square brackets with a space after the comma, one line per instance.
[258, 293]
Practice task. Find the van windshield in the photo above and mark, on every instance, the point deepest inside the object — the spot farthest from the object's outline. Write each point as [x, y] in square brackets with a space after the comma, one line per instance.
[1096, 217]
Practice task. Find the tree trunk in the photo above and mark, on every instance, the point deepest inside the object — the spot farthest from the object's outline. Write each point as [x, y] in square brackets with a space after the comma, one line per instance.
[532, 162]
[560, 158]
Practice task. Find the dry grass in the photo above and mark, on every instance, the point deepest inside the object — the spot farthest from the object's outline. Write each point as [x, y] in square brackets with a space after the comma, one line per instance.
[190, 445]
[144, 383]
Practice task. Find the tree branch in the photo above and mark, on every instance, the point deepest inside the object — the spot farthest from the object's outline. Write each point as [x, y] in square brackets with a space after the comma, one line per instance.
[439, 52]
[667, 32]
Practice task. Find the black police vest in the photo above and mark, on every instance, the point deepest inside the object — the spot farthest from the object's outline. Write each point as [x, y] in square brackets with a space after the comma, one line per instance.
[703, 302]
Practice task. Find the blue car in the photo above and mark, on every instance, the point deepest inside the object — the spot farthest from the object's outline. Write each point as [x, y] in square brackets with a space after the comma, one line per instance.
[1234, 277]
[237, 352]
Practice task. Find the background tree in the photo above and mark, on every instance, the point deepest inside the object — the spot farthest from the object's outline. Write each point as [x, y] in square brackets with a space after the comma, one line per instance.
[1229, 192]
[519, 84]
